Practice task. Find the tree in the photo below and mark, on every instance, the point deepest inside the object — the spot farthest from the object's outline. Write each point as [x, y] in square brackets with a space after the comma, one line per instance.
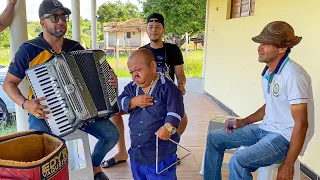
[181, 16]
[117, 12]
[5, 39]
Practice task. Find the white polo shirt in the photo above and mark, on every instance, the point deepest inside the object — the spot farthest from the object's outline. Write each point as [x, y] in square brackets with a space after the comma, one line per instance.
[288, 84]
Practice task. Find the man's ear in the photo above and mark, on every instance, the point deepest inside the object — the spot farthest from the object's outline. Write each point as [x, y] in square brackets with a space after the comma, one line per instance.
[154, 65]
[42, 23]
[282, 50]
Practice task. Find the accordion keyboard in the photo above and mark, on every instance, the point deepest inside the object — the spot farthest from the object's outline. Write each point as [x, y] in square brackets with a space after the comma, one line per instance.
[45, 85]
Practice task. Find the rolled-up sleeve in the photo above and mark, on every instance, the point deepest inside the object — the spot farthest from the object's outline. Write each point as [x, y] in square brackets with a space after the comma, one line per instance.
[175, 105]
[125, 98]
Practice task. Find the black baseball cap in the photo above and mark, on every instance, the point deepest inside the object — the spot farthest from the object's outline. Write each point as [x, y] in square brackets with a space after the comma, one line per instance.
[155, 17]
[51, 6]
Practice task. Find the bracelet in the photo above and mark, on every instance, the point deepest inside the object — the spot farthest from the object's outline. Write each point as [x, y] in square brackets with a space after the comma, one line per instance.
[22, 104]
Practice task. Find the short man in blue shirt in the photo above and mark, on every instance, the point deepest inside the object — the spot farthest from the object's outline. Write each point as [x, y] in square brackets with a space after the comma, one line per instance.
[156, 105]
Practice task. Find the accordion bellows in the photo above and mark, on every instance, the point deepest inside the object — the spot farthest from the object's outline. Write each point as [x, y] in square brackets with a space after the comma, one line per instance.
[33, 155]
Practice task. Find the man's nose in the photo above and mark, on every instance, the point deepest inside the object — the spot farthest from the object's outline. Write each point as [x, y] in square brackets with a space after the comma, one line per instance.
[134, 74]
[60, 21]
[154, 29]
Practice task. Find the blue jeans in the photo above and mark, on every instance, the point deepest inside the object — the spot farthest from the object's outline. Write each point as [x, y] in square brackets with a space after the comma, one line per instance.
[148, 172]
[265, 148]
[104, 130]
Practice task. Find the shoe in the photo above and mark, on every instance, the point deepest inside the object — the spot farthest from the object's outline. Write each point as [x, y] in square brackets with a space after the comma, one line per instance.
[111, 162]
[100, 176]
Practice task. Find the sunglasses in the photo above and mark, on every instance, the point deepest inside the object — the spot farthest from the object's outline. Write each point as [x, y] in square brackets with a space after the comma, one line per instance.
[54, 18]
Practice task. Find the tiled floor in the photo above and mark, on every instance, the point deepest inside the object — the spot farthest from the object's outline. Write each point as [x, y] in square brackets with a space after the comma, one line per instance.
[200, 111]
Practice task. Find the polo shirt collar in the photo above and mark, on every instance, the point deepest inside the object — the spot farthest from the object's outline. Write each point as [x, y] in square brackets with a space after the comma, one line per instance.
[283, 61]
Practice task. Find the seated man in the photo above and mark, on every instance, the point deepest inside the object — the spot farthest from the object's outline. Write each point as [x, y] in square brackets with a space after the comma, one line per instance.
[286, 114]
[156, 106]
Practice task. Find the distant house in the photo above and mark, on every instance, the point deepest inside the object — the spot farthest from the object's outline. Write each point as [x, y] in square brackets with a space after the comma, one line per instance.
[131, 34]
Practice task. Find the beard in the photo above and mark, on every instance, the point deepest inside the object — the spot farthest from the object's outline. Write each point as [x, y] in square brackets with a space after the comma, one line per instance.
[57, 33]
[155, 38]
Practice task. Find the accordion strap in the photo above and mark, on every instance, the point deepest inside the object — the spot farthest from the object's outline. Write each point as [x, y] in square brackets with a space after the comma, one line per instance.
[68, 44]
[42, 44]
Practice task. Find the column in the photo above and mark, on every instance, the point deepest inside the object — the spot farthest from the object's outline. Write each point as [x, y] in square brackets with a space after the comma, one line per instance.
[93, 24]
[18, 35]
[75, 9]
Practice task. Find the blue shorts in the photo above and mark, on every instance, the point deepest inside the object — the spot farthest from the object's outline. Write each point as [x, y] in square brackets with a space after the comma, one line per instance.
[148, 172]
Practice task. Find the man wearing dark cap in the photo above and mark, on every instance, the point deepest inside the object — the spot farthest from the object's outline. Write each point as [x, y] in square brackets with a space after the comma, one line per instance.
[7, 15]
[170, 63]
[53, 19]
[287, 115]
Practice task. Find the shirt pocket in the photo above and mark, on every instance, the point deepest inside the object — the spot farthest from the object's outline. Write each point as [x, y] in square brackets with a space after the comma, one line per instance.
[158, 110]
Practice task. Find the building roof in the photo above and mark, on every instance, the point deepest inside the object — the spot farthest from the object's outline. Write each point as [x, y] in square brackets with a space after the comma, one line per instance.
[131, 25]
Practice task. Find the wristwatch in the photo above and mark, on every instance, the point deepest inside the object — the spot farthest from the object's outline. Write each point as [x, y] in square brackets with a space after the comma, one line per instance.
[170, 128]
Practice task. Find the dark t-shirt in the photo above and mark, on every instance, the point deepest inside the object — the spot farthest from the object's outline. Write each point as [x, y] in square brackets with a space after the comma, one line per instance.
[166, 57]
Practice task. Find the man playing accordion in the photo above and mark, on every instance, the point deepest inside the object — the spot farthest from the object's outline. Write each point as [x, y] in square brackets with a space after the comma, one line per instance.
[53, 19]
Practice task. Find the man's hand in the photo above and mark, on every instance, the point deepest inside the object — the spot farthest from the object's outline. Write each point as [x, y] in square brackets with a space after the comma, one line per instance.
[113, 81]
[237, 123]
[142, 101]
[35, 108]
[285, 172]
[163, 133]
[181, 87]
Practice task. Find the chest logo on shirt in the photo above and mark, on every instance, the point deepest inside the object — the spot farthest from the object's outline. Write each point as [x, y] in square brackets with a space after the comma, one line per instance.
[276, 90]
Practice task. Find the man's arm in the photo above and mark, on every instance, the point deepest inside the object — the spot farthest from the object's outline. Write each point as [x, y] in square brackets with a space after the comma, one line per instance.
[175, 105]
[128, 101]
[7, 15]
[175, 109]
[10, 86]
[300, 115]
[177, 62]
[298, 87]
[255, 117]
[181, 77]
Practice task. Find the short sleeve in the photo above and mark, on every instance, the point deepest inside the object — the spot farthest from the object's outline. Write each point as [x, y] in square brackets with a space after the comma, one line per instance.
[177, 58]
[125, 98]
[298, 86]
[175, 105]
[20, 63]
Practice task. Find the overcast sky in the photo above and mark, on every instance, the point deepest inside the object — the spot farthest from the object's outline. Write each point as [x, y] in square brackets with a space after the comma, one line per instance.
[85, 7]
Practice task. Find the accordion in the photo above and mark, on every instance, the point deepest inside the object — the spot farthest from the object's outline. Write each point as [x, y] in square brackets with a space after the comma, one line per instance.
[76, 88]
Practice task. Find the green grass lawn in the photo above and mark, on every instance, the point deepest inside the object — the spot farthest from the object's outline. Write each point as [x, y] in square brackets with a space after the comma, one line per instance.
[192, 66]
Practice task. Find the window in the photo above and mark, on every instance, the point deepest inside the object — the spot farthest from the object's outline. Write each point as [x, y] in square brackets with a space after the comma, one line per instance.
[128, 35]
[242, 8]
